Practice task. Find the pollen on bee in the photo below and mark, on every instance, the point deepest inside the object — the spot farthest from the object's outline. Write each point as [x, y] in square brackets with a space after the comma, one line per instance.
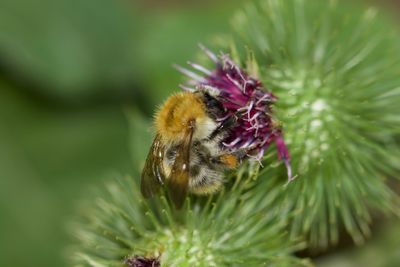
[229, 160]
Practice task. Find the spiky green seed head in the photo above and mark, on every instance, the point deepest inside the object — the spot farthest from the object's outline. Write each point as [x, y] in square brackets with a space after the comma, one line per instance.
[335, 69]
[231, 229]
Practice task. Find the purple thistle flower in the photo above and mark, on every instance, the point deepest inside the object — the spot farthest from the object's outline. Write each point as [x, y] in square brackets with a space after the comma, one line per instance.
[138, 261]
[245, 98]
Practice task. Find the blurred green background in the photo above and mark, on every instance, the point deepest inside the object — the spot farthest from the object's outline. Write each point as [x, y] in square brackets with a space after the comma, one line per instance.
[69, 71]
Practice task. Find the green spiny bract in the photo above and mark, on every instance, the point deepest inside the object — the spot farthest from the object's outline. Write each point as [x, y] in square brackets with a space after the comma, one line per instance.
[336, 72]
[235, 228]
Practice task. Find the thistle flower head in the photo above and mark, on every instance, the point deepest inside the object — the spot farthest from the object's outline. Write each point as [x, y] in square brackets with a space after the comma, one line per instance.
[218, 232]
[246, 99]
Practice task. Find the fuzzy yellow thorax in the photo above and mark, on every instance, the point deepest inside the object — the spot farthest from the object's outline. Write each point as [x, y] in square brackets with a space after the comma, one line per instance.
[174, 115]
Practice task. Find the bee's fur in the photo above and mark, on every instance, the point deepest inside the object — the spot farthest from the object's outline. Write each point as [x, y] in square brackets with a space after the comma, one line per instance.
[172, 118]
[207, 159]
[205, 168]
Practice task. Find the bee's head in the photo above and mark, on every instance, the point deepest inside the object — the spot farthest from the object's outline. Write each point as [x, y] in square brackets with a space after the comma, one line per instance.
[214, 107]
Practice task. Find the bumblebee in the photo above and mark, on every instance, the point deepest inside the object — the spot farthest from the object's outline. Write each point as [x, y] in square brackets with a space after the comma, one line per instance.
[186, 155]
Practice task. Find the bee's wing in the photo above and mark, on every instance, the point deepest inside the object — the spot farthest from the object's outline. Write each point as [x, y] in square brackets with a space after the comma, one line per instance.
[178, 180]
[153, 174]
